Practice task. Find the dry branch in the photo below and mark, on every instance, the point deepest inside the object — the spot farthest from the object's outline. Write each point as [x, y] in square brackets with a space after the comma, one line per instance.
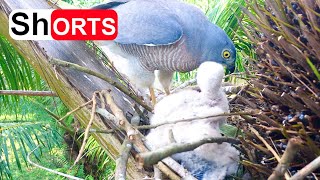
[107, 131]
[167, 171]
[183, 85]
[71, 131]
[101, 76]
[307, 100]
[157, 174]
[195, 118]
[286, 159]
[180, 170]
[308, 169]
[260, 168]
[86, 132]
[27, 93]
[106, 114]
[121, 162]
[268, 147]
[270, 121]
[74, 110]
[150, 158]
[122, 121]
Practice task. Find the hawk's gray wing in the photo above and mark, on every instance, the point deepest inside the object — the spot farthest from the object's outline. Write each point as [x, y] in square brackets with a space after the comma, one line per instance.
[145, 22]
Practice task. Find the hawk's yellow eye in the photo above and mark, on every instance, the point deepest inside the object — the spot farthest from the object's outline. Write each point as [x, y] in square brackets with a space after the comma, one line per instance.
[226, 54]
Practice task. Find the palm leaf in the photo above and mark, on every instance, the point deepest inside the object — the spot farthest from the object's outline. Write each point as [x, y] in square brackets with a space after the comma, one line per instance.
[20, 138]
[15, 74]
[96, 153]
[14, 150]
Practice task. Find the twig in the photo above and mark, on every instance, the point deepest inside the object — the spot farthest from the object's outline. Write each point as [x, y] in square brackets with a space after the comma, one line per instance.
[27, 93]
[183, 85]
[274, 153]
[264, 118]
[238, 93]
[150, 158]
[308, 169]
[103, 77]
[175, 166]
[157, 174]
[86, 132]
[49, 170]
[181, 171]
[121, 162]
[239, 74]
[280, 129]
[233, 89]
[195, 118]
[71, 131]
[61, 124]
[287, 157]
[107, 131]
[258, 167]
[265, 143]
[167, 171]
[76, 109]
[140, 113]
[122, 121]
[107, 115]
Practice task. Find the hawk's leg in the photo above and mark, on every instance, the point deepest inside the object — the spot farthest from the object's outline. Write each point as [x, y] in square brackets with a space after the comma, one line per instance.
[152, 96]
[165, 78]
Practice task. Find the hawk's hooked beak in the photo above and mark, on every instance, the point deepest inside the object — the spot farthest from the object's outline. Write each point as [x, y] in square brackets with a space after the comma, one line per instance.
[230, 69]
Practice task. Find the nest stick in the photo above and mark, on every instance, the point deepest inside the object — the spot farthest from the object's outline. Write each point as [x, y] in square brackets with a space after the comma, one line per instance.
[150, 158]
[86, 132]
[75, 110]
[122, 120]
[121, 162]
[286, 159]
[157, 174]
[107, 115]
[28, 93]
[174, 165]
[167, 171]
[274, 153]
[107, 131]
[183, 85]
[181, 171]
[194, 118]
[308, 169]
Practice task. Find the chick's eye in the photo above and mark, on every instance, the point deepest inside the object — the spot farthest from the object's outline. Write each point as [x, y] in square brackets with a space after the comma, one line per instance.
[226, 54]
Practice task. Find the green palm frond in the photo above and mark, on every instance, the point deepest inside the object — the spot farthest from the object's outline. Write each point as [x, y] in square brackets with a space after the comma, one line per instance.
[228, 15]
[15, 73]
[96, 153]
[17, 139]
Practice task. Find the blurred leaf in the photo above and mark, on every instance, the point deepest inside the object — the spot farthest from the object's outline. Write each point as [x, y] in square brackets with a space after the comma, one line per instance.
[229, 130]
[15, 74]
[20, 138]
[97, 154]
[14, 150]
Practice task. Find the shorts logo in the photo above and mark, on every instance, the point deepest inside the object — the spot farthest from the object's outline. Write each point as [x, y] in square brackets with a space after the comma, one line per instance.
[46, 24]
